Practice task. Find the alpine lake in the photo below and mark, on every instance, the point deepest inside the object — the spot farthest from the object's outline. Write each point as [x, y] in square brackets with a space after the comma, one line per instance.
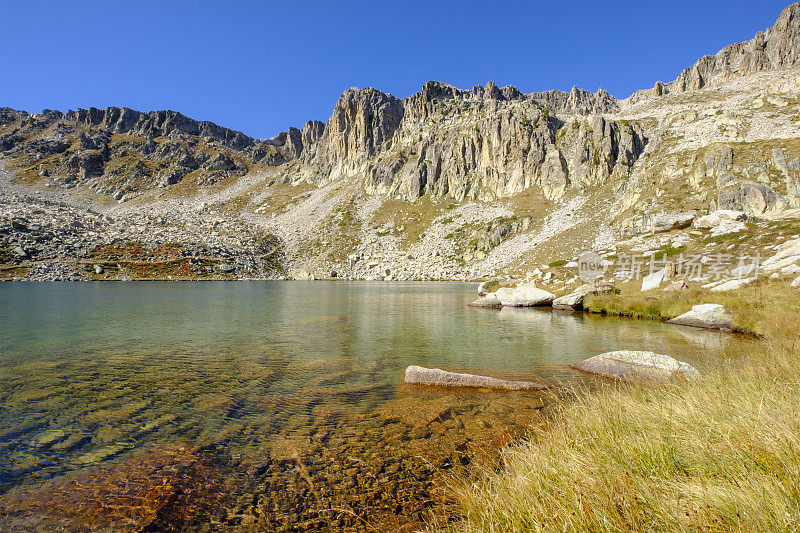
[150, 406]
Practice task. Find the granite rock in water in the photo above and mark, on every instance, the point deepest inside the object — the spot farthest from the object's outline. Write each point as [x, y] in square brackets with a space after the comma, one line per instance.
[489, 300]
[634, 365]
[525, 295]
[418, 375]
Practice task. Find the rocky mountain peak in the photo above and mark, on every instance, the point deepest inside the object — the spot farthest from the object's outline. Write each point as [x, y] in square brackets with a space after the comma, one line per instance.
[777, 47]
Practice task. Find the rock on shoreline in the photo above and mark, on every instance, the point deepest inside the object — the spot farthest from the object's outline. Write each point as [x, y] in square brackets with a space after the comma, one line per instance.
[490, 301]
[418, 375]
[525, 295]
[711, 316]
[634, 365]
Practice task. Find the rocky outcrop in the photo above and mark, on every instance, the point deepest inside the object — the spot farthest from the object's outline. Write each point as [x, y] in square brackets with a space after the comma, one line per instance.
[714, 219]
[786, 254]
[630, 365]
[777, 47]
[710, 316]
[418, 375]
[483, 143]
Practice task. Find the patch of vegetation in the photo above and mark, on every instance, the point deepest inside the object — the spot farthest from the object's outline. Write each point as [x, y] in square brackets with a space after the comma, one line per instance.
[415, 217]
[670, 251]
[560, 262]
[714, 454]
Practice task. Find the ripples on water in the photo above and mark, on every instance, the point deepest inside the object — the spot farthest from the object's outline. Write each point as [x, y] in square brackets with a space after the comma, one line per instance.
[92, 371]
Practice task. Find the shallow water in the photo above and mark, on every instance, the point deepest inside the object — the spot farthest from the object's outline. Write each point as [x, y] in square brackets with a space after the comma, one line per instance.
[92, 372]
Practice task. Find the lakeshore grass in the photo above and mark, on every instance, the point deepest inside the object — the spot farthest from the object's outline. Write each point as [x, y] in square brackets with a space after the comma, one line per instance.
[717, 454]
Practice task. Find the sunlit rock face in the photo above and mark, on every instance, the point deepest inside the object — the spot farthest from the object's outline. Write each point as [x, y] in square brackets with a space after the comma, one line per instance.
[482, 143]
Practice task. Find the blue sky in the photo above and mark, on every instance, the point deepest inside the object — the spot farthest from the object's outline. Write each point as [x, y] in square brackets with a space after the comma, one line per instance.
[261, 67]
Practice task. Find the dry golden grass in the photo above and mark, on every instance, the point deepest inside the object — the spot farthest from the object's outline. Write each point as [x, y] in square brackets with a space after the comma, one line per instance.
[717, 454]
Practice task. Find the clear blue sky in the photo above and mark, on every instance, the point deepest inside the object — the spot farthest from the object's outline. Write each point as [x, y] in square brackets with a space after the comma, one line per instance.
[261, 66]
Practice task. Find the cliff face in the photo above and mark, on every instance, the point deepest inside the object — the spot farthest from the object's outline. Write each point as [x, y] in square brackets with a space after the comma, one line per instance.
[777, 47]
[484, 143]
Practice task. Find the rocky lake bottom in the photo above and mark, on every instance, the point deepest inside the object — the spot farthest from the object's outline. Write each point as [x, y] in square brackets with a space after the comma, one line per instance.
[273, 405]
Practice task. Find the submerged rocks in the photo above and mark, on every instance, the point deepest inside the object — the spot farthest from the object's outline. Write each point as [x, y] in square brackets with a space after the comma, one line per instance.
[634, 365]
[418, 375]
[711, 316]
[525, 295]
[157, 489]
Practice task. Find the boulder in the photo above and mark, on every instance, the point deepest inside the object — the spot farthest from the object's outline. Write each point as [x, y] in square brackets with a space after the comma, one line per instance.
[573, 300]
[728, 226]
[787, 254]
[796, 282]
[711, 316]
[790, 270]
[489, 301]
[302, 275]
[732, 284]
[525, 295]
[670, 221]
[652, 281]
[675, 286]
[634, 365]
[418, 375]
[714, 219]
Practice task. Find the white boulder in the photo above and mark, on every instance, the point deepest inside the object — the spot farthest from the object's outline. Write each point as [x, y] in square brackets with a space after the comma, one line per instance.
[711, 316]
[525, 295]
[714, 219]
[654, 280]
[634, 365]
[418, 375]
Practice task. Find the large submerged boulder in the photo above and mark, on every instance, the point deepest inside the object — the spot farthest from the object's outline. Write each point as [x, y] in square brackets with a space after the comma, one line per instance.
[418, 375]
[634, 365]
[711, 316]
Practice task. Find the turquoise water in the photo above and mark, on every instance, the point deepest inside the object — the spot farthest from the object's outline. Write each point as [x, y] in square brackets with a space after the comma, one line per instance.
[93, 371]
